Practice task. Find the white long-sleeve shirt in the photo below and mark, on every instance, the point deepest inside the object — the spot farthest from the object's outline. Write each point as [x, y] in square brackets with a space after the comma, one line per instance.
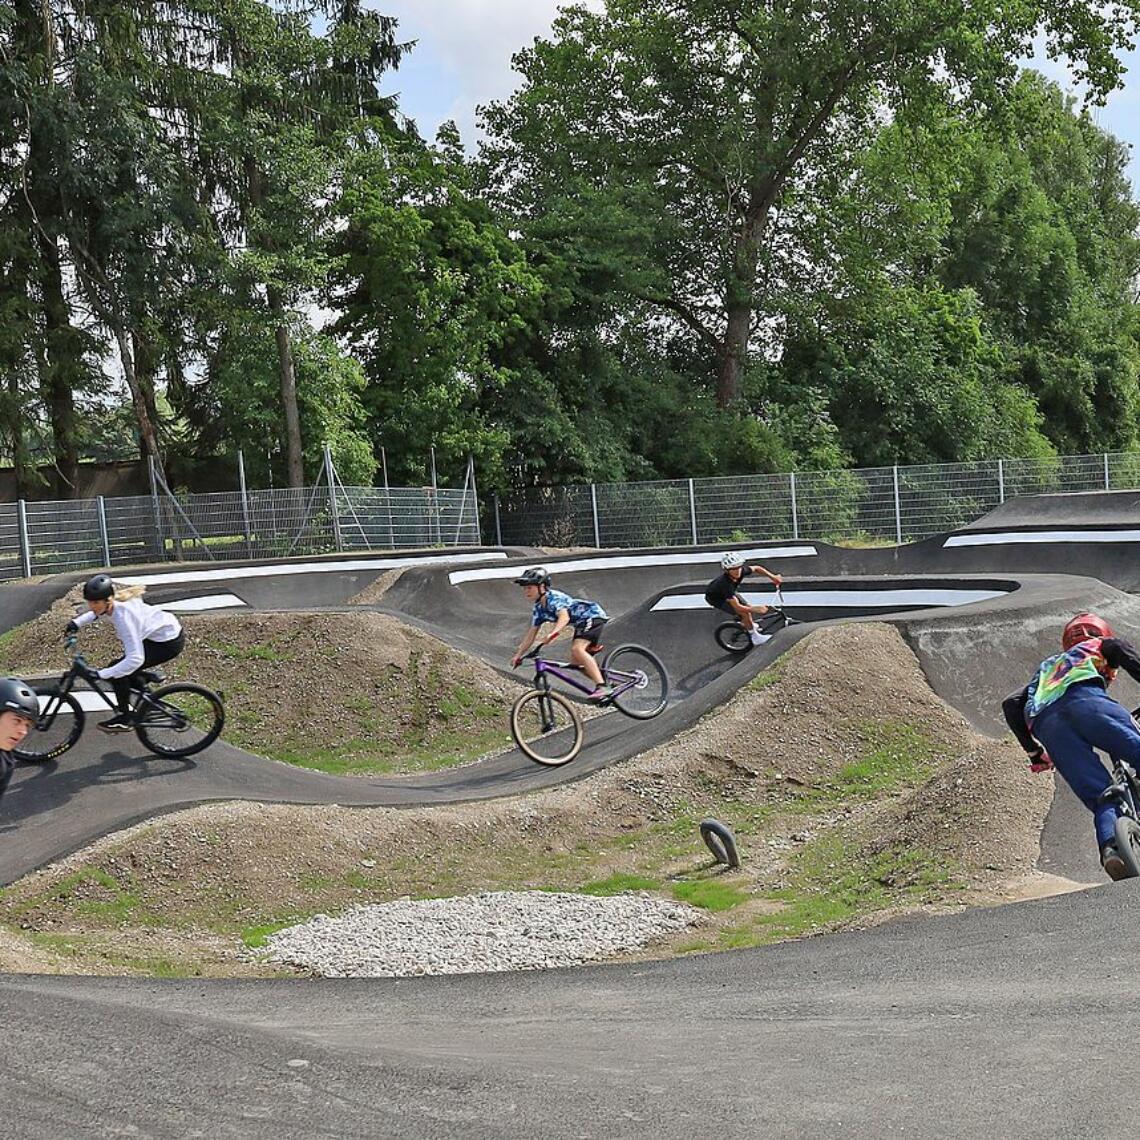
[134, 622]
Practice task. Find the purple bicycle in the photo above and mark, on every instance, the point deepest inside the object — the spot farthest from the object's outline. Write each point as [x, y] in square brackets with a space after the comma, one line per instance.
[548, 728]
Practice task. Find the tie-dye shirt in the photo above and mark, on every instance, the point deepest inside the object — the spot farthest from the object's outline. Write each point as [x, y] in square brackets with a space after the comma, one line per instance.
[1056, 674]
[548, 606]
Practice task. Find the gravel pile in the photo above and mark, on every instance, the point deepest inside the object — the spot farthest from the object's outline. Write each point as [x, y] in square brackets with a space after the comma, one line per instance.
[495, 930]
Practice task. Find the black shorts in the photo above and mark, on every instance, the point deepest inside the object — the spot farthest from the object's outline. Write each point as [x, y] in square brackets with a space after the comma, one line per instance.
[724, 607]
[590, 630]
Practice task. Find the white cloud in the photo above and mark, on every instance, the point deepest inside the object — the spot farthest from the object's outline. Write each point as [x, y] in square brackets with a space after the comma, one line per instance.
[463, 56]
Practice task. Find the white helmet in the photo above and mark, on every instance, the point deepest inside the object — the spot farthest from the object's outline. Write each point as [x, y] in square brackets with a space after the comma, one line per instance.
[732, 559]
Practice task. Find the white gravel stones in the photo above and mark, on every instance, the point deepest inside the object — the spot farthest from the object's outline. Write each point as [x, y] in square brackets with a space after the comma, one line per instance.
[496, 930]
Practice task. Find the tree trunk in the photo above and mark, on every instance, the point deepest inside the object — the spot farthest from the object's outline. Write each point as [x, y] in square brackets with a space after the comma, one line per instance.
[148, 435]
[295, 466]
[63, 360]
[740, 298]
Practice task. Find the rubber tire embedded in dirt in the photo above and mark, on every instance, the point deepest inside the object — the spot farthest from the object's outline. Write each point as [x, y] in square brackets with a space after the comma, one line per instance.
[638, 659]
[523, 738]
[720, 841]
[1128, 844]
[35, 748]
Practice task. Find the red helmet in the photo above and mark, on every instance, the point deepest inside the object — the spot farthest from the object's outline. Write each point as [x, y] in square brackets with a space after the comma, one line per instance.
[1082, 627]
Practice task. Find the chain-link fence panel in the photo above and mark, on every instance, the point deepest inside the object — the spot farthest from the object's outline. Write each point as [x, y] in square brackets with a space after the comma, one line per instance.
[939, 497]
[644, 514]
[1061, 473]
[11, 554]
[547, 516]
[746, 508]
[64, 535]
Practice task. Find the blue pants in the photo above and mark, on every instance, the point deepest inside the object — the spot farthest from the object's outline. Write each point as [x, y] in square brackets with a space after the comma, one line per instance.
[1082, 719]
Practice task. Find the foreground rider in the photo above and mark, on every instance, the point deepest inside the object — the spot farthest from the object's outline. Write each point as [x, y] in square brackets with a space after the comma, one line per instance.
[1064, 713]
[721, 592]
[19, 710]
[150, 636]
[550, 605]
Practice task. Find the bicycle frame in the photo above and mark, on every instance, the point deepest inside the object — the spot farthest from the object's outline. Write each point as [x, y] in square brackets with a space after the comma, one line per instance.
[68, 679]
[564, 671]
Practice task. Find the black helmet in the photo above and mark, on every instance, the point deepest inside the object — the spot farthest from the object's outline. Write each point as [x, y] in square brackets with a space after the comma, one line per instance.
[535, 576]
[99, 588]
[17, 697]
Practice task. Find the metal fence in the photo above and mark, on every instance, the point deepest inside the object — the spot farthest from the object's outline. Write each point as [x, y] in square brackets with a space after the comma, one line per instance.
[894, 504]
[50, 537]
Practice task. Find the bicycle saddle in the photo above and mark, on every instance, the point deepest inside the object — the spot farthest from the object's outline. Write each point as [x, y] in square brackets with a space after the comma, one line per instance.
[149, 677]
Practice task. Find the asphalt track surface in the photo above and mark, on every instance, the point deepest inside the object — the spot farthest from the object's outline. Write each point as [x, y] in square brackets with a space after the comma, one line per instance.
[1003, 1022]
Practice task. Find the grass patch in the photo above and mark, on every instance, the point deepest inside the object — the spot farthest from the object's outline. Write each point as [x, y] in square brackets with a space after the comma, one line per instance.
[773, 675]
[893, 757]
[710, 895]
[255, 937]
[249, 652]
[617, 883]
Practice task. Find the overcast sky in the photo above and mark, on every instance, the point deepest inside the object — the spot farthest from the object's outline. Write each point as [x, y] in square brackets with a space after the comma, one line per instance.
[463, 58]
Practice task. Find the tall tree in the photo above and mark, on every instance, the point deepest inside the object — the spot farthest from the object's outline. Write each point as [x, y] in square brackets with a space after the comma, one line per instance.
[687, 143]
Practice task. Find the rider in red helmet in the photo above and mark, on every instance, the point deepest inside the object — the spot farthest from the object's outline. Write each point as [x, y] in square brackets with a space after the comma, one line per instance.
[1065, 713]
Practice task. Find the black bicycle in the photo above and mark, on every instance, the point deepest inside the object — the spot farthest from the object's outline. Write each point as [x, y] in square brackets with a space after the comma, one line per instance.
[175, 720]
[1124, 792]
[732, 636]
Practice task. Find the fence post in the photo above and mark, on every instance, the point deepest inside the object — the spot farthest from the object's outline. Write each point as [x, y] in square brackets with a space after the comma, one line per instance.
[898, 512]
[245, 505]
[795, 512]
[157, 509]
[101, 508]
[1107, 485]
[475, 500]
[594, 503]
[693, 511]
[388, 498]
[498, 525]
[435, 498]
[331, 477]
[1001, 480]
[25, 544]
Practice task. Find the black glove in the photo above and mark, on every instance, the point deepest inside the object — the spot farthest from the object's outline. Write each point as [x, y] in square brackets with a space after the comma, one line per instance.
[71, 628]
[88, 673]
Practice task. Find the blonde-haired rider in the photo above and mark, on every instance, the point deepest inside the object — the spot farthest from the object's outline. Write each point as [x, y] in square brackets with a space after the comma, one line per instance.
[150, 636]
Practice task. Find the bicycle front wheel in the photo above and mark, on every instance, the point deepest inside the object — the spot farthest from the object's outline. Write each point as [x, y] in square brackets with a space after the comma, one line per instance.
[1128, 843]
[59, 727]
[546, 727]
[640, 681]
[179, 720]
[731, 635]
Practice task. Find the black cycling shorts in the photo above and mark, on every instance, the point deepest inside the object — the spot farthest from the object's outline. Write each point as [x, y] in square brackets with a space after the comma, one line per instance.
[724, 607]
[590, 630]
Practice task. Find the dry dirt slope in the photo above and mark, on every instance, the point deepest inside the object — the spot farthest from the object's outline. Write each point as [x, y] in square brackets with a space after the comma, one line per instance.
[344, 692]
[855, 791]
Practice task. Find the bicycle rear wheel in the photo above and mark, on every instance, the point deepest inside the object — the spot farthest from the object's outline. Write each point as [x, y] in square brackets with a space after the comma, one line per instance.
[641, 681]
[179, 720]
[546, 727]
[731, 635]
[59, 727]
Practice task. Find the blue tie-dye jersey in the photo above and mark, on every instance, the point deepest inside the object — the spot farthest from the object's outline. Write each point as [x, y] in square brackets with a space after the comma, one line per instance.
[548, 607]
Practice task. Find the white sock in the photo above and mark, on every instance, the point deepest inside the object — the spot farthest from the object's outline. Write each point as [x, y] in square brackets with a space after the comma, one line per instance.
[756, 637]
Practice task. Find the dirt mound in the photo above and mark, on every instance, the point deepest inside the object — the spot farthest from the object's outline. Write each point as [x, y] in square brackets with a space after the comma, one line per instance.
[855, 793]
[349, 693]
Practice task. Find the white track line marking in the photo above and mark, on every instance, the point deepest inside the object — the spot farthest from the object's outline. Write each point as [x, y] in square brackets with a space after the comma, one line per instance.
[836, 598]
[630, 561]
[283, 569]
[1013, 537]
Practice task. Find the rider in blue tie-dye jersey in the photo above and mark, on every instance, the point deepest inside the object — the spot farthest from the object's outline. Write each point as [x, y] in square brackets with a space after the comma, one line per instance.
[587, 618]
[1064, 714]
